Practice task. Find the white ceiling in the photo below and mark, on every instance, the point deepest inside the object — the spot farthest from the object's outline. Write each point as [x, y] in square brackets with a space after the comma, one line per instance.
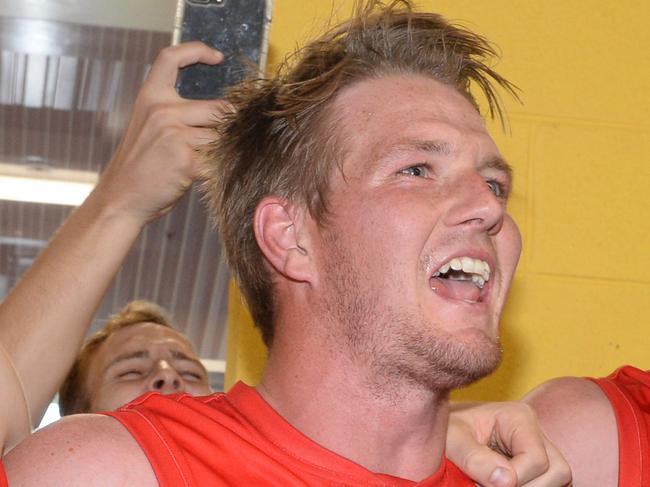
[157, 15]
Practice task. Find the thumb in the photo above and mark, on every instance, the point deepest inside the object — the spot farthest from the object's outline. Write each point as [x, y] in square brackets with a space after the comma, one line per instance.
[502, 477]
[484, 466]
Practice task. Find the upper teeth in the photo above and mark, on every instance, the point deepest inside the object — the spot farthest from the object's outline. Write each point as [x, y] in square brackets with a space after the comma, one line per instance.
[478, 269]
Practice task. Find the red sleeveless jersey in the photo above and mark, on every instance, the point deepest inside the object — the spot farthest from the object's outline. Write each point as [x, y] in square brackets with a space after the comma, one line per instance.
[239, 439]
[628, 390]
[3, 477]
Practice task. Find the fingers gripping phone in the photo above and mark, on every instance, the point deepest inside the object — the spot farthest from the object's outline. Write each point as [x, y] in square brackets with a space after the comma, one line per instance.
[237, 28]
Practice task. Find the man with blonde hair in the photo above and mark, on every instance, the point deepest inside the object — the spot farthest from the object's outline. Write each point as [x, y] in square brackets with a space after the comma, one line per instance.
[137, 351]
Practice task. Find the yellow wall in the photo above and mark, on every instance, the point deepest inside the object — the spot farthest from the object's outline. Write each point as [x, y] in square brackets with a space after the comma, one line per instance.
[580, 304]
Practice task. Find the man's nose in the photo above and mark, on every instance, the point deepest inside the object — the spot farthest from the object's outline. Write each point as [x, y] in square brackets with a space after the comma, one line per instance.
[474, 203]
[165, 379]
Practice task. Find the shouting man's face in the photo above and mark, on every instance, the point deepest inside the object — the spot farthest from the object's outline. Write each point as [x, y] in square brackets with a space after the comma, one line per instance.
[417, 253]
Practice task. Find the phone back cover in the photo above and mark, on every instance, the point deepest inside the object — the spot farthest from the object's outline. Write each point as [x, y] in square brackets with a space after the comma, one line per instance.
[237, 29]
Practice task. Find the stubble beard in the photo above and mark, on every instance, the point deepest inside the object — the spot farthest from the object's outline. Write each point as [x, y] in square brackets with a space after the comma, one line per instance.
[397, 346]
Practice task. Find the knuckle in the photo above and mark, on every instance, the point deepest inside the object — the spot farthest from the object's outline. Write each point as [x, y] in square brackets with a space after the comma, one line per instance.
[146, 99]
[522, 410]
[562, 472]
[472, 460]
[166, 55]
[536, 467]
[170, 135]
[161, 116]
[566, 478]
[544, 464]
[526, 408]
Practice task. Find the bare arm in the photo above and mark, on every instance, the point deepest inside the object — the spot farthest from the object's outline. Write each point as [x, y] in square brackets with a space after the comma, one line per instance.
[577, 416]
[80, 450]
[52, 306]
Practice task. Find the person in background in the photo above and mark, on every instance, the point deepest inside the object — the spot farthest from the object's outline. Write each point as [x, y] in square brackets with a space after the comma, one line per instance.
[137, 351]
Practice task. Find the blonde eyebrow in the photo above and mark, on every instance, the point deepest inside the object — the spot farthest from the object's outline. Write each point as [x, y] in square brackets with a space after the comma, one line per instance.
[140, 354]
[177, 355]
[144, 354]
[500, 164]
[445, 148]
[431, 146]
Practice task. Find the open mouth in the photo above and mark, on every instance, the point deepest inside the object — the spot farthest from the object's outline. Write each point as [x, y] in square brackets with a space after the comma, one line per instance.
[462, 278]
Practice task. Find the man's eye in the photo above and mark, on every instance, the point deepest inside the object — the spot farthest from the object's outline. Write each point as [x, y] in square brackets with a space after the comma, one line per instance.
[418, 171]
[129, 374]
[193, 376]
[497, 188]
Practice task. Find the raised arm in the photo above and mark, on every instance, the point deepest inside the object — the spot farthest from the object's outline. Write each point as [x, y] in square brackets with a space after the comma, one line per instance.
[44, 319]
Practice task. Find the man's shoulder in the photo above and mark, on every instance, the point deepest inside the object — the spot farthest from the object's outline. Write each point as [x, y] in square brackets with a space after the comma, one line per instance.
[571, 406]
[85, 449]
[205, 438]
[579, 419]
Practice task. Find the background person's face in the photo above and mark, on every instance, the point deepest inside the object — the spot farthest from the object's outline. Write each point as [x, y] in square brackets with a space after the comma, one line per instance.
[141, 358]
[422, 184]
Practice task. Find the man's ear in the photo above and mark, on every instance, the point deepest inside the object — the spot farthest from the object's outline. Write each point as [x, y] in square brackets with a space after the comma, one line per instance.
[282, 235]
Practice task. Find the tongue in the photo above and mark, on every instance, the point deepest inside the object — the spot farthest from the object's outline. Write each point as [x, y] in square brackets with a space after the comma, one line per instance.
[452, 289]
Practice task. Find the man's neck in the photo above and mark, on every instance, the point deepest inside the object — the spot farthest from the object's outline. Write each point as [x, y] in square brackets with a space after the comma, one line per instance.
[387, 426]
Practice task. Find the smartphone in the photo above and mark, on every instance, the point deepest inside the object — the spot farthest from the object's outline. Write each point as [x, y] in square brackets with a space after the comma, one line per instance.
[237, 28]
